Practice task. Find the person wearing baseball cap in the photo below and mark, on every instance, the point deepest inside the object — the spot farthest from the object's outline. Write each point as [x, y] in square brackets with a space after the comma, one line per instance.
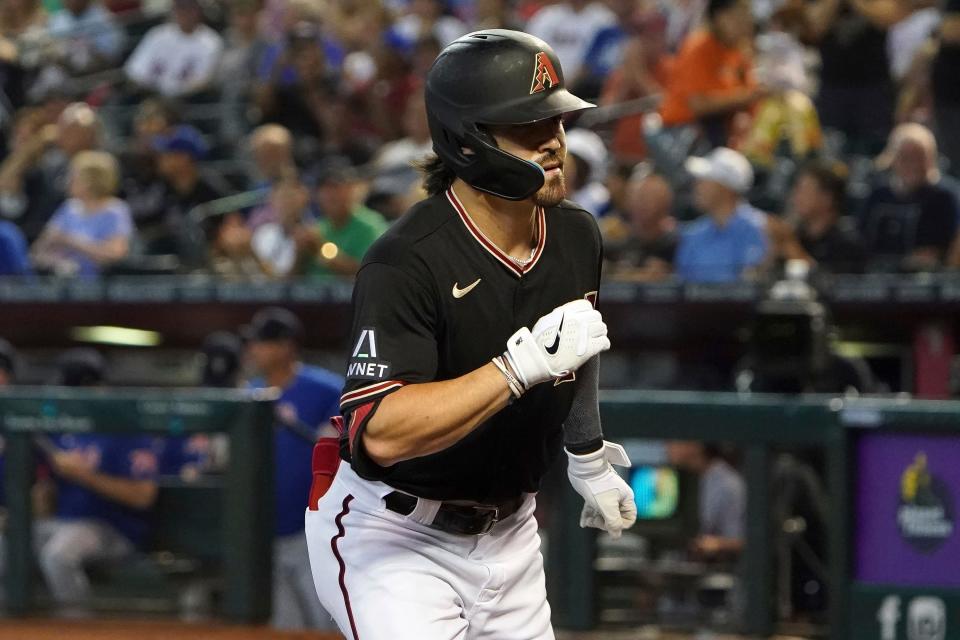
[309, 397]
[729, 241]
[346, 228]
[179, 153]
[105, 485]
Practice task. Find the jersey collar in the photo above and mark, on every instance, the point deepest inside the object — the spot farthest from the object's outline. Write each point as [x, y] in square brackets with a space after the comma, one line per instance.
[493, 249]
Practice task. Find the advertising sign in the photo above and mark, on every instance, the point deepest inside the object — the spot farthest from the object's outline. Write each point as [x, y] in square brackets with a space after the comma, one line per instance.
[906, 510]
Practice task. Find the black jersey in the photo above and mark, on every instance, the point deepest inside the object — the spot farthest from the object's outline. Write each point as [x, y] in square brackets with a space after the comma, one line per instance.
[434, 300]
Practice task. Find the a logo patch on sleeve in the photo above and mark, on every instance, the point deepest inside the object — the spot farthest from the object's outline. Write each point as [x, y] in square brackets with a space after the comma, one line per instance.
[364, 362]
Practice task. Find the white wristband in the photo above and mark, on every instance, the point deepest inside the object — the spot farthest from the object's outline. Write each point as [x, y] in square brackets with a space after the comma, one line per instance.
[515, 387]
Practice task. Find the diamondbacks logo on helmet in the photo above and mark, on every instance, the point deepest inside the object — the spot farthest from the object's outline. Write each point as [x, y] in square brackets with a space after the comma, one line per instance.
[544, 75]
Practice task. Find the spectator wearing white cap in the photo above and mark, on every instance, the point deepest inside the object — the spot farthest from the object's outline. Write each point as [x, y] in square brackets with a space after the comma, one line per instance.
[586, 170]
[729, 241]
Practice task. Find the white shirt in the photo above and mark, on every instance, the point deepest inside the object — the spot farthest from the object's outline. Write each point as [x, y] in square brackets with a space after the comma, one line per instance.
[402, 152]
[906, 37]
[173, 62]
[570, 33]
[273, 246]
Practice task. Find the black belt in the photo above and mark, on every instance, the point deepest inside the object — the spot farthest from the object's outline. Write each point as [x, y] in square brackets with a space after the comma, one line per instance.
[461, 519]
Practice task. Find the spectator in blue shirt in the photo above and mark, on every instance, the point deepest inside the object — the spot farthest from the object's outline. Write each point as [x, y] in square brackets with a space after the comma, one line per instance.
[729, 241]
[310, 396]
[92, 229]
[14, 259]
[105, 487]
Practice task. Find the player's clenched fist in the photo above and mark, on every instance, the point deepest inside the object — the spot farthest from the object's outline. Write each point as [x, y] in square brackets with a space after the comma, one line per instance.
[560, 342]
[608, 502]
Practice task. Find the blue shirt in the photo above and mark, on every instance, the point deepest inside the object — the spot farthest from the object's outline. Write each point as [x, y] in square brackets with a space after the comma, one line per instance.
[176, 453]
[332, 52]
[94, 26]
[108, 223]
[130, 457]
[310, 400]
[605, 52]
[14, 260]
[708, 252]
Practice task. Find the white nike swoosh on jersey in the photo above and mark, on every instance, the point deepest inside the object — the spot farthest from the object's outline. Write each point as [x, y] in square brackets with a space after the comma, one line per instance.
[459, 293]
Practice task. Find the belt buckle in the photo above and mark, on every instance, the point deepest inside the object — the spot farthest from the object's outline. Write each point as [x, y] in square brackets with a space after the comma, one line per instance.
[488, 525]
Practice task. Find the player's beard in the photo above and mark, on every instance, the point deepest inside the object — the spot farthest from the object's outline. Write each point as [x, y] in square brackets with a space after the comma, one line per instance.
[552, 193]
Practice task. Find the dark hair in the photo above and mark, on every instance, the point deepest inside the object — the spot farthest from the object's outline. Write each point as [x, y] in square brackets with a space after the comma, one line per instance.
[716, 6]
[437, 177]
[830, 176]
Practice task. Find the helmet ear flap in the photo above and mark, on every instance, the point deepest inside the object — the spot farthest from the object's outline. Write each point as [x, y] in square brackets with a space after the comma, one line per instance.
[499, 173]
[485, 166]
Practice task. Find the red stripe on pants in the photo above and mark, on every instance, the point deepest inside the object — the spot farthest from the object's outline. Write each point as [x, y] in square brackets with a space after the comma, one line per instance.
[341, 532]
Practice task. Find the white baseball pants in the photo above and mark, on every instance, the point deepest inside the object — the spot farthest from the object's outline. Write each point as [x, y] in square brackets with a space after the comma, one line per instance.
[383, 576]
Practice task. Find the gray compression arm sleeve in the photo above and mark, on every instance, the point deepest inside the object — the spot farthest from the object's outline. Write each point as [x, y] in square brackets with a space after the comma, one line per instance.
[581, 430]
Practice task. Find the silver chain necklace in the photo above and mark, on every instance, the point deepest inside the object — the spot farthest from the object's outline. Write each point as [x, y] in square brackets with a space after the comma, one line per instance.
[524, 262]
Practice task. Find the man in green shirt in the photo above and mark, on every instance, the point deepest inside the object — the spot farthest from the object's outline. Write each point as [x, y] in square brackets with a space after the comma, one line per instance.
[347, 228]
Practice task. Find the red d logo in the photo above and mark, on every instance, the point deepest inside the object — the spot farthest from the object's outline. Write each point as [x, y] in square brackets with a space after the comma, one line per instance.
[544, 75]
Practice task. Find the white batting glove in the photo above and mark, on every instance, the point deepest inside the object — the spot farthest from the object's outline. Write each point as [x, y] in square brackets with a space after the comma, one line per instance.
[559, 343]
[608, 499]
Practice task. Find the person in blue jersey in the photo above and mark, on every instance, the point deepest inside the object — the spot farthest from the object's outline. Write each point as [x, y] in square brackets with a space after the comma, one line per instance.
[106, 486]
[189, 457]
[310, 396]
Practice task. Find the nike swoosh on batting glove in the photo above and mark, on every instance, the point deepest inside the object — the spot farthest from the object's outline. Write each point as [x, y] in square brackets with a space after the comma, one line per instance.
[560, 342]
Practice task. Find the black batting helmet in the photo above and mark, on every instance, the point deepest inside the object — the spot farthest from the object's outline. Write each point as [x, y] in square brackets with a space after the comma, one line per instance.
[493, 77]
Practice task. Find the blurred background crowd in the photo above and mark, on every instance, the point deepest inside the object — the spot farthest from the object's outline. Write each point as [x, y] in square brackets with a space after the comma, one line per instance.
[274, 138]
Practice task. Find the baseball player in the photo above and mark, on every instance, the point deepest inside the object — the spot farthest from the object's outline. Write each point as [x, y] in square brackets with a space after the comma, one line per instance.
[106, 486]
[473, 361]
[307, 400]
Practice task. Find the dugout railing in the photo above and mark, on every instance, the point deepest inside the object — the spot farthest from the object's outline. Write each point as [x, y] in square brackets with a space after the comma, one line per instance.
[247, 496]
[760, 425]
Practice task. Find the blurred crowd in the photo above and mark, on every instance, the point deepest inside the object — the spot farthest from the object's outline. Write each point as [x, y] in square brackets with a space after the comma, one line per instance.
[277, 138]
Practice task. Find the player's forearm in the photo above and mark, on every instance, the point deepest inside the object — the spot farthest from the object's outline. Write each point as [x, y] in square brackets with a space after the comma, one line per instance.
[136, 494]
[582, 432]
[421, 419]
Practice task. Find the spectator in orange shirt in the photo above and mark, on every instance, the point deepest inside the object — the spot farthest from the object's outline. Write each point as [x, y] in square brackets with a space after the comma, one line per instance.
[711, 79]
[643, 72]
